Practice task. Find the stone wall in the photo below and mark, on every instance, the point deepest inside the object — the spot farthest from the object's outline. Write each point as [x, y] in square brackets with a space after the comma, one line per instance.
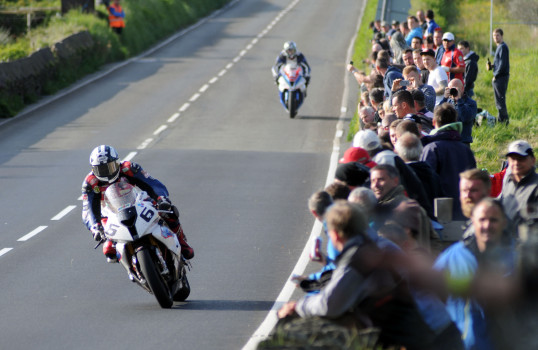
[24, 80]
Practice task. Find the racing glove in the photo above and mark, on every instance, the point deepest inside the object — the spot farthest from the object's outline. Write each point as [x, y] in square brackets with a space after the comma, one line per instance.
[163, 203]
[98, 232]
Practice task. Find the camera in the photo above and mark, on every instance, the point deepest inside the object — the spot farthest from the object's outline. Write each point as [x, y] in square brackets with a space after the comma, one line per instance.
[454, 92]
[404, 83]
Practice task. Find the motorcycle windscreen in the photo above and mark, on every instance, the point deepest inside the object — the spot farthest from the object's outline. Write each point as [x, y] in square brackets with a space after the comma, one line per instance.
[120, 195]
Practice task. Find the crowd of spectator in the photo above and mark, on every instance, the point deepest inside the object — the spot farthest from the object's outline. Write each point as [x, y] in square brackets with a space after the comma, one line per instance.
[385, 262]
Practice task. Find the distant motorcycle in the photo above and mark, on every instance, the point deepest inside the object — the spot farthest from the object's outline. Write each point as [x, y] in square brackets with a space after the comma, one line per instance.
[146, 247]
[292, 87]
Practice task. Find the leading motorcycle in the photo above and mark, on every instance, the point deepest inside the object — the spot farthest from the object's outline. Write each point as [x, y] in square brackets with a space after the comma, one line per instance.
[145, 246]
[292, 86]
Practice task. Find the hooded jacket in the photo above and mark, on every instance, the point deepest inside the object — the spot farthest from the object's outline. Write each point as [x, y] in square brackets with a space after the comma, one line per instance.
[448, 157]
[471, 70]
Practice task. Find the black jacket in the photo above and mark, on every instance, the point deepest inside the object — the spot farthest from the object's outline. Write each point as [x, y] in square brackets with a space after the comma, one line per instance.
[471, 70]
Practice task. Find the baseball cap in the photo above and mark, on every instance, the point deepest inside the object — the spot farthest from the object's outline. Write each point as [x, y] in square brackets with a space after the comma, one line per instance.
[428, 52]
[395, 23]
[357, 154]
[366, 139]
[521, 147]
[448, 36]
[353, 174]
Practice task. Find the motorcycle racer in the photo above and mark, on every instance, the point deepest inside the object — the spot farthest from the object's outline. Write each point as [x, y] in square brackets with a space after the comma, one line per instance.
[106, 170]
[290, 53]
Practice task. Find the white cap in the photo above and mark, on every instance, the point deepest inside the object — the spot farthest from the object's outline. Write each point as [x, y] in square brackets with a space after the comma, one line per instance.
[448, 36]
[521, 147]
[366, 139]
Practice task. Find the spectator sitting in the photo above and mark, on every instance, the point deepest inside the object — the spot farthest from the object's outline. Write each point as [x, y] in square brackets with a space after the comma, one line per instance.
[465, 106]
[487, 250]
[366, 284]
[446, 154]
[520, 191]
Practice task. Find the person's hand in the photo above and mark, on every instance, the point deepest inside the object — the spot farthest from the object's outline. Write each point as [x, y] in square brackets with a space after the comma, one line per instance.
[287, 310]
[396, 84]
[447, 93]
[98, 232]
[351, 68]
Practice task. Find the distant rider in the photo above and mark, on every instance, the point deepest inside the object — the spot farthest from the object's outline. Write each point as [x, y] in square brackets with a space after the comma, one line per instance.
[290, 53]
[106, 170]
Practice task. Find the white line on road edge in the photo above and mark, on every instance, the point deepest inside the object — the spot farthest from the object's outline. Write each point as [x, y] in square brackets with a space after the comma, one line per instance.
[31, 234]
[271, 319]
[63, 212]
[4, 251]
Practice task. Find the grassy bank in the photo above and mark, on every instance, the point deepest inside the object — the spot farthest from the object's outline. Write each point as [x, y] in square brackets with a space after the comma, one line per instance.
[147, 22]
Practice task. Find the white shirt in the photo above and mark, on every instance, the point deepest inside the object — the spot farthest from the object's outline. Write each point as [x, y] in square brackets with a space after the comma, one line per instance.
[434, 79]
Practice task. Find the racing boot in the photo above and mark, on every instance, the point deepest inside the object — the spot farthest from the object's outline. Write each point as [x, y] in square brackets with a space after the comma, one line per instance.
[110, 252]
[186, 249]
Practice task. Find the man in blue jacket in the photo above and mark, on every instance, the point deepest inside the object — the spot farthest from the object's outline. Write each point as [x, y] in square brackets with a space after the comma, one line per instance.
[446, 154]
[501, 74]
[389, 73]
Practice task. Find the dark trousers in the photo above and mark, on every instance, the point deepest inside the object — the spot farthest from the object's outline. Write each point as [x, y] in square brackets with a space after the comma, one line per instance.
[500, 85]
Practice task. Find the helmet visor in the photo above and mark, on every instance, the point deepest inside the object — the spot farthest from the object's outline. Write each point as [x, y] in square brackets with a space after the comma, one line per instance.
[105, 170]
[290, 52]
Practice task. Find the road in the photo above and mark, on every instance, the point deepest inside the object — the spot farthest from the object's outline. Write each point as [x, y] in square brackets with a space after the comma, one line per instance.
[202, 115]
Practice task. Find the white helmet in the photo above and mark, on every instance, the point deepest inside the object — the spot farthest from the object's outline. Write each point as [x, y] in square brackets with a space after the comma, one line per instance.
[290, 49]
[105, 163]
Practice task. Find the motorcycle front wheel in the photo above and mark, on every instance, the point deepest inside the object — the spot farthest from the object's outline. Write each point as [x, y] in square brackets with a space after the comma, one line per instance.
[183, 293]
[292, 103]
[155, 280]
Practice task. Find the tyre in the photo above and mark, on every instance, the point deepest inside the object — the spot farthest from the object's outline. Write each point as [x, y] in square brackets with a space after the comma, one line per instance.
[183, 293]
[153, 277]
[292, 104]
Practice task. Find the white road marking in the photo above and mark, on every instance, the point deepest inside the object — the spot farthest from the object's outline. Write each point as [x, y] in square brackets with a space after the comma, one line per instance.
[63, 212]
[222, 72]
[129, 157]
[229, 65]
[204, 88]
[213, 80]
[173, 118]
[160, 129]
[31, 234]
[194, 97]
[184, 107]
[4, 251]
[145, 144]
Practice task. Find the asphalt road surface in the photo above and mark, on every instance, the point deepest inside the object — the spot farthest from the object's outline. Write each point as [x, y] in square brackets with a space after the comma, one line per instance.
[202, 115]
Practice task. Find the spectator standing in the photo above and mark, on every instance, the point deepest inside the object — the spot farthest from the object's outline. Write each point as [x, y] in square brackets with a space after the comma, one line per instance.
[432, 26]
[366, 114]
[412, 74]
[452, 61]
[501, 74]
[475, 185]
[416, 43]
[116, 17]
[389, 74]
[394, 28]
[465, 106]
[422, 20]
[424, 73]
[398, 47]
[407, 57]
[520, 190]
[471, 67]
[439, 48]
[446, 154]
[437, 78]
[414, 29]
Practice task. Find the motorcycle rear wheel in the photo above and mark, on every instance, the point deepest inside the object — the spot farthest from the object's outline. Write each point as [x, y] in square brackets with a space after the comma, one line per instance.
[155, 281]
